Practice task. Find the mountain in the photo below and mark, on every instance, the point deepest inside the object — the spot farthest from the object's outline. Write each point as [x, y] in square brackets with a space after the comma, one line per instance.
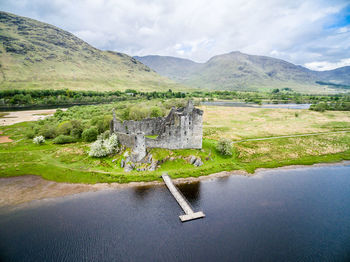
[175, 68]
[339, 75]
[38, 55]
[238, 71]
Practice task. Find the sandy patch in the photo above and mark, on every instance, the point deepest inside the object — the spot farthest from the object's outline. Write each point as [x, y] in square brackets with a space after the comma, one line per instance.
[23, 116]
[5, 139]
[15, 191]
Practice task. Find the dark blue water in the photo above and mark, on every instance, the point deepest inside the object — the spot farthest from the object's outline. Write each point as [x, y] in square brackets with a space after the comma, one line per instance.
[280, 215]
[242, 104]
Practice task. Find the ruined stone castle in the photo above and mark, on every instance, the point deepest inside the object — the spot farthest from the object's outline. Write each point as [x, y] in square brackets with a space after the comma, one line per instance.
[181, 129]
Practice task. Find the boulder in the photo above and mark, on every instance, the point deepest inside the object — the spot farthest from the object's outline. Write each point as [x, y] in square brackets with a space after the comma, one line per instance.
[128, 167]
[153, 166]
[192, 159]
[198, 162]
[122, 163]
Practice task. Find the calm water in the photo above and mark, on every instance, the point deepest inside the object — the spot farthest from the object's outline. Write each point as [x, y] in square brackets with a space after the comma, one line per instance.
[280, 215]
[241, 104]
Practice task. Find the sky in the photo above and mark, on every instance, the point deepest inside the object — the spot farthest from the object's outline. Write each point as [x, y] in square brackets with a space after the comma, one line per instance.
[312, 33]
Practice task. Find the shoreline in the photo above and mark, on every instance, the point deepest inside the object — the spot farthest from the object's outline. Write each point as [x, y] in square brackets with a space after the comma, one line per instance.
[21, 190]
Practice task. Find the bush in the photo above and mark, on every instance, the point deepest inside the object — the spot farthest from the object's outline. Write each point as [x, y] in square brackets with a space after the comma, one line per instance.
[77, 129]
[30, 134]
[224, 146]
[320, 107]
[59, 114]
[102, 123]
[64, 128]
[48, 131]
[90, 134]
[156, 111]
[138, 113]
[63, 139]
[101, 148]
[39, 140]
[104, 135]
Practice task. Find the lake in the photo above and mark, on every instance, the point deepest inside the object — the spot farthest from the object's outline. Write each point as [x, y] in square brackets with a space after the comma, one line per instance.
[300, 214]
[242, 104]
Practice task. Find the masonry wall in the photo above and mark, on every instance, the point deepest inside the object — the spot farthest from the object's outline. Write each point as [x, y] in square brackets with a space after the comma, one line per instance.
[181, 129]
[180, 132]
[127, 140]
[149, 126]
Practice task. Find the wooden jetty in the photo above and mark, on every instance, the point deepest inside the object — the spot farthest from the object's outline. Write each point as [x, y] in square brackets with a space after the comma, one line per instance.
[181, 200]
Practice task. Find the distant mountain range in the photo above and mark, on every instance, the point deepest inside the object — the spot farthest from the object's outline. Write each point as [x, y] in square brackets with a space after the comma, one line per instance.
[238, 71]
[38, 55]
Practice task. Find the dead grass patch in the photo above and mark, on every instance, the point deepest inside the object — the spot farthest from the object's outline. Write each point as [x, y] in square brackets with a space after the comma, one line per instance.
[245, 122]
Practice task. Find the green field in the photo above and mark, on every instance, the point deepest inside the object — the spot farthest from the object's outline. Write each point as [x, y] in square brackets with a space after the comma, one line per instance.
[71, 163]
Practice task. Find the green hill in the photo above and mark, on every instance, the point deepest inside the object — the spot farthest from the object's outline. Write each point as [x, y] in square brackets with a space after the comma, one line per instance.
[38, 55]
[238, 71]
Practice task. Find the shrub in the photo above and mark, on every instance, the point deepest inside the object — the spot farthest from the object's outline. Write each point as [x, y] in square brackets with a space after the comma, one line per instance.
[138, 113]
[156, 111]
[101, 148]
[64, 128]
[63, 139]
[48, 131]
[224, 146]
[320, 107]
[90, 134]
[77, 129]
[59, 114]
[111, 144]
[104, 135]
[39, 140]
[102, 123]
[30, 134]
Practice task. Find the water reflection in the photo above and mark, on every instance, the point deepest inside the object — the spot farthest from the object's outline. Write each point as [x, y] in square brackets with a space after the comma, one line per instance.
[242, 104]
[141, 192]
[191, 191]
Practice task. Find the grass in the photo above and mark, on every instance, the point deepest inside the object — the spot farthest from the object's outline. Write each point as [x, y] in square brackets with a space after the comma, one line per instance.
[3, 114]
[70, 163]
[239, 123]
[152, 136]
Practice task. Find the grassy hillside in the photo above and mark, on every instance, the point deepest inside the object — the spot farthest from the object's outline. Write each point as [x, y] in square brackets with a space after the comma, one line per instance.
[38, 55]
[238, 71]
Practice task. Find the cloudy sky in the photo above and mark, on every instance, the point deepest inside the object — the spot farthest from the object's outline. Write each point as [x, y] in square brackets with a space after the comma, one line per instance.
[313, 33]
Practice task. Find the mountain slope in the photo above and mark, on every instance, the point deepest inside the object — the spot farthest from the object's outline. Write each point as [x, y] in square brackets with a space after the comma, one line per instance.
[177, 69]
[339, 75]
[235, 70]
[38, 55]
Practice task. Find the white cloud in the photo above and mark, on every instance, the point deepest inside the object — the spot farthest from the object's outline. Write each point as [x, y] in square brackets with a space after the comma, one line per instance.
[324, 65]
[298, 31]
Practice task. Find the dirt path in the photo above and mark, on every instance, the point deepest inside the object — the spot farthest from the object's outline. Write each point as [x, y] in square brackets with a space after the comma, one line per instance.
[23, 116]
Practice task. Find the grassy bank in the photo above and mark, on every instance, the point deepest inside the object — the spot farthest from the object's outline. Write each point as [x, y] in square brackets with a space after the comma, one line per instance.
[70, 162]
